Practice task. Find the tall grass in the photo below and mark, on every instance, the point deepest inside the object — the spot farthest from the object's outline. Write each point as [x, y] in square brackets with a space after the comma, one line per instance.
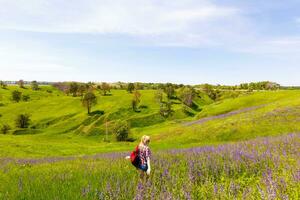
[264, 168]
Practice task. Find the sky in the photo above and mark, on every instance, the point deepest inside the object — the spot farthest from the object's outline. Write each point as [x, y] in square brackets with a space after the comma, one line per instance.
[180, 41]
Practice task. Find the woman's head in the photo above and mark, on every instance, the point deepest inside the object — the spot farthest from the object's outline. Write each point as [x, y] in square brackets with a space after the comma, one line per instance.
[145, 140]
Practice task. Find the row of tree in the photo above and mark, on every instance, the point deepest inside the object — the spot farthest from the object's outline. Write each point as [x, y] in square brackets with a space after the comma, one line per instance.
[262, 85]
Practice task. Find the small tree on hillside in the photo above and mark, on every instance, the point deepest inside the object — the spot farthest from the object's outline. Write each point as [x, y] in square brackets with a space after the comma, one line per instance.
[166, 109]
[121, 129]
[74, 88]
[5, 128]
[130, 87]
[186, 95]
[21, 83]
[16, 95]
[89, 100]
[170, 91]
[81, 90]
[159, 96]
[105, 87]
[34, 85]
[136, 99]
[23, 121]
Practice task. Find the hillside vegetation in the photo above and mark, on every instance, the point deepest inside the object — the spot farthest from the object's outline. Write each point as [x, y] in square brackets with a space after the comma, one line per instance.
[60, 125]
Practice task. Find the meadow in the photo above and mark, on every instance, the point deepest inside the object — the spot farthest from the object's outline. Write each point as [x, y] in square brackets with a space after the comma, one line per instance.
[243, 146]
[263, 168]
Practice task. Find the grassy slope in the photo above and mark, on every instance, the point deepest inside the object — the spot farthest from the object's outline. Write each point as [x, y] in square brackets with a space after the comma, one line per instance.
[62, 123]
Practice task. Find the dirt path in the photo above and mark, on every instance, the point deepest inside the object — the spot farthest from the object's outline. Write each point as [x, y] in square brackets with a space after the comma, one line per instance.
[235, 112]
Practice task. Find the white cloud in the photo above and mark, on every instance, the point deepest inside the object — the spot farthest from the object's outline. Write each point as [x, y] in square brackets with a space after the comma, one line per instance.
[136, 17]
[188, 23]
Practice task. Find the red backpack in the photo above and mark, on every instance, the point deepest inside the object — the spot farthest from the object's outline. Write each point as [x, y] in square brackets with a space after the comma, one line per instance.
[134, 157]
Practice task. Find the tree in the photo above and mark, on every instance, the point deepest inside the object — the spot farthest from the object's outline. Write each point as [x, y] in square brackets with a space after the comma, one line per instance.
[121, 129]
[105, 87]
[186, 95]
[81, 89]
[169, 90]
[209, 90]
[34, 85]
[2, 84]
[136, 99]
[74, 88]
[21, 83]
[130, 87]
[159, 96]
[5, 128]
[23, 121]
[166, 108]
[16, 95]
[89, 100]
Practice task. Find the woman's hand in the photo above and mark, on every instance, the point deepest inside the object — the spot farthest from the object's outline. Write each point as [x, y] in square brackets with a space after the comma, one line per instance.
[148, 171]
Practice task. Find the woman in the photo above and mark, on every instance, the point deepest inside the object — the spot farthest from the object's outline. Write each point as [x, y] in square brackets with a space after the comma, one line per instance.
[144, 154]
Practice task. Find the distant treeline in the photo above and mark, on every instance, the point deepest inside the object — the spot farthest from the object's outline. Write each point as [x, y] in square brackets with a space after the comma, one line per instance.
[262, 85]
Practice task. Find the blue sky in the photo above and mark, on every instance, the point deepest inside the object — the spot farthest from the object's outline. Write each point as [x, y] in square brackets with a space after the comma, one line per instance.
[181, 41]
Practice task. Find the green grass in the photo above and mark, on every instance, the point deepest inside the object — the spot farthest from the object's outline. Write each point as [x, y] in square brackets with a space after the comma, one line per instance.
[61, 127]
[264, 168]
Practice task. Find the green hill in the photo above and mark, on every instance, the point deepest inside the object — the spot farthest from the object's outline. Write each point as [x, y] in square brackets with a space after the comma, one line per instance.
[60, 125]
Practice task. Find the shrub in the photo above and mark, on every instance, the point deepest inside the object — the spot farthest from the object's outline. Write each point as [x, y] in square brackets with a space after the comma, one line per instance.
[5, 128]
[34, 85]
[26, 97]
[130, 87]
[121, 129]
[16, 95]
[23, 121]
[166, 109]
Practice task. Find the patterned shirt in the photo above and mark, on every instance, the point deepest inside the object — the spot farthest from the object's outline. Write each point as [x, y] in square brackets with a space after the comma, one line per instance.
[144, 154]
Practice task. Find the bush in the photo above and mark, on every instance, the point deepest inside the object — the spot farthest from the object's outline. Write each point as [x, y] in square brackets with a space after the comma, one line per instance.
[5, 128]
[26, 97]
[16, 95]
[166, 109]
[121, 129]
[23, 121]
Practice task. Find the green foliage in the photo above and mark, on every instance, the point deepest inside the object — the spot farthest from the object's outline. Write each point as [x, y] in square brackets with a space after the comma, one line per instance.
[21, 83]
[34, 85]
[89, 100]
[2, 84]
[136, 100]
[165, 109]
[5, 128]
[214, 94]
[74, 88]
[25, 97]
[159, 96]
[16, 95]
[121, 130]
[105, 88]
[187, 95]
[169, 89]
[130, 87]
[22, 121]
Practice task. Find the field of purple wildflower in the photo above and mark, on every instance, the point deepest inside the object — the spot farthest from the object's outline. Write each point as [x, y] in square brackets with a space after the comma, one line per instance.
[263, 168]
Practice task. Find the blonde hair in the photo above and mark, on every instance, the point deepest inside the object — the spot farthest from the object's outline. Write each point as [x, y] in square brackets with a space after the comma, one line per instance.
[145, 140]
